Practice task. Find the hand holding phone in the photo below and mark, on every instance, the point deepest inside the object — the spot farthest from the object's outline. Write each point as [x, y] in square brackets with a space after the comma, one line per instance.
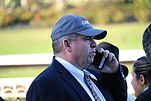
[99, 60]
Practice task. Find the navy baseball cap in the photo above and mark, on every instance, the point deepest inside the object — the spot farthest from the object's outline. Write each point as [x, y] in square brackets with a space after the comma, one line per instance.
[70, 24]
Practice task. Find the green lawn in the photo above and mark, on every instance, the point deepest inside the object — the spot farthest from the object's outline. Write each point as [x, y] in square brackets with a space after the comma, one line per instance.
[22, 71]
[126, 36]
[25, 40]
[32, 40]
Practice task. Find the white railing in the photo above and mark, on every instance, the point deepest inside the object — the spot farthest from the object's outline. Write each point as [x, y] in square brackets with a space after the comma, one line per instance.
[17, 87]
[41, 59]
[14, 87]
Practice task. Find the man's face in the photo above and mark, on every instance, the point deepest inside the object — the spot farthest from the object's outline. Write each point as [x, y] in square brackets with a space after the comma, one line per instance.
[83, 50]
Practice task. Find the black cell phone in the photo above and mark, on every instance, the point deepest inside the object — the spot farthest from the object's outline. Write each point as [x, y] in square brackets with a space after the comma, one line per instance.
[99, 60]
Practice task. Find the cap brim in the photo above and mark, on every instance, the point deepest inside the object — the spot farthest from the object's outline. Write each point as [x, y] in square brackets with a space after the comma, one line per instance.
[96, 33]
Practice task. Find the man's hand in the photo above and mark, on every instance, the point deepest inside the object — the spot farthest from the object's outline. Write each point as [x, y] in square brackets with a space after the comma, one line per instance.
[111, 63]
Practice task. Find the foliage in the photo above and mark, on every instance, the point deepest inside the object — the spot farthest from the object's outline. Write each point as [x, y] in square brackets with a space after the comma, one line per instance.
[15, 99]
[22, 15]
[142, 10]
[45, 17]
[45, 13]
[6, 18]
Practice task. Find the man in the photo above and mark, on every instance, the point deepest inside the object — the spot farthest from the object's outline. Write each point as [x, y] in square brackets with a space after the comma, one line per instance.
[147, 41]
[74, 50]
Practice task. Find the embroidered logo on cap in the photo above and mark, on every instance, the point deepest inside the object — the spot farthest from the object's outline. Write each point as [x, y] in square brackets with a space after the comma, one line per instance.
[85, 22]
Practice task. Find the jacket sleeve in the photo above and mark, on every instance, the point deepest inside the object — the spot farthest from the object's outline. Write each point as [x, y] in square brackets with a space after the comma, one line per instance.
[1, 99]
[116, 84]
[145, 96]
[36, 92]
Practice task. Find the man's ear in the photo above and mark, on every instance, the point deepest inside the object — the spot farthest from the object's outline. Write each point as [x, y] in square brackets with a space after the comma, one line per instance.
[67, 45]
[142, 80]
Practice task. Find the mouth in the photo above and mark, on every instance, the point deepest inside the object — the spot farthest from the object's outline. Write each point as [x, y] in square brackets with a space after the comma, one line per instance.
[93, 54]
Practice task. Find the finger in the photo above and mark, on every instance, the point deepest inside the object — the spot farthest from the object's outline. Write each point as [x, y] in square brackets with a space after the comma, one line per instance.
[111, 56]
[100, 50]
[106, 53]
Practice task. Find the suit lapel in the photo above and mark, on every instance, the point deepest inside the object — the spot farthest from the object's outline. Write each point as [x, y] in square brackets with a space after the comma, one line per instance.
[67, 76]
[100, 85]
[104, 91]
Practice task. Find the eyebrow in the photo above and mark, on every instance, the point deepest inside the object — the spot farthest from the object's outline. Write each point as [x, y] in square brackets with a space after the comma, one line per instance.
[86, 37]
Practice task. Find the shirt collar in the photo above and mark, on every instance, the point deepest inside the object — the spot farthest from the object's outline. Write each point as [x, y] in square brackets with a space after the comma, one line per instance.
[77, 73]
[145, 89]
[73, 69]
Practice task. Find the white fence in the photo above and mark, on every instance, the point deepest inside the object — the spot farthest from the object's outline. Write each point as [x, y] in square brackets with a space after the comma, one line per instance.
[14, 87]
[38, 59]
[17, 87]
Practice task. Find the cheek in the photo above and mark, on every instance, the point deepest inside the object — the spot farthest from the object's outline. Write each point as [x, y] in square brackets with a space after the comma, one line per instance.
[85, 47]
[133, 83]
[136, 86]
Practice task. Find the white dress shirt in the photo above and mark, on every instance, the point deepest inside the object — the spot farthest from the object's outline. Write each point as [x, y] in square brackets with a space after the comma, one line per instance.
[79, 75]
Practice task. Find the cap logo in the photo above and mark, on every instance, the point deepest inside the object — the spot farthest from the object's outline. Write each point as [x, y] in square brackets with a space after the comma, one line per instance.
[85, 22]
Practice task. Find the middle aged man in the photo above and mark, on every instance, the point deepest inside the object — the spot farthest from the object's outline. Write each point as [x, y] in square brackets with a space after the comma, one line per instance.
[67, 77]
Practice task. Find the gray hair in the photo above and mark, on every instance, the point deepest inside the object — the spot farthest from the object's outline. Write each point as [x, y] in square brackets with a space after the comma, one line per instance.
[57, 44]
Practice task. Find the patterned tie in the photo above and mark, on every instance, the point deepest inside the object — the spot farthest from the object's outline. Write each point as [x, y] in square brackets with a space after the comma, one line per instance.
[89, 84]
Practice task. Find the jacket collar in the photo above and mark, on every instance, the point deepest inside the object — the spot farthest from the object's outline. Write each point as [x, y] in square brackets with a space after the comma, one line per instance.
[67, 76]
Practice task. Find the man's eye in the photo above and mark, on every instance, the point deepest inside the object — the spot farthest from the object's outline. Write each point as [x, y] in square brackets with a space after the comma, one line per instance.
[87, 38]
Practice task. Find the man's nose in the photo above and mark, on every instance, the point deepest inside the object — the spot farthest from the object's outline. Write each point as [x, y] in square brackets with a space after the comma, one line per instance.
[93, 44]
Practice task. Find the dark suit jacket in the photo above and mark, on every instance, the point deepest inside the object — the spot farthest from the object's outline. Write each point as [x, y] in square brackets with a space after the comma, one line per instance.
[1, 99]
[57, 84]
[145, 96]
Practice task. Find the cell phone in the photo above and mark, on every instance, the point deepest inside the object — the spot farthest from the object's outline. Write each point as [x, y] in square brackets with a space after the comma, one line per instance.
[99, 60]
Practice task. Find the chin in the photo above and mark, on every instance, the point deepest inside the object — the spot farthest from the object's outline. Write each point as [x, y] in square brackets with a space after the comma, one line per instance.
[136, 94]
[91, 61]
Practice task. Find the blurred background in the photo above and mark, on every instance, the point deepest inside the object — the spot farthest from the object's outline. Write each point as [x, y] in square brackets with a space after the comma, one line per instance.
[25, 29]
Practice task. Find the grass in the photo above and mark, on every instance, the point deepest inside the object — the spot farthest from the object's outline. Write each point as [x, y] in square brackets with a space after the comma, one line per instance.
[32, 40]
[22, 71]
[125, 36]
[25, 40]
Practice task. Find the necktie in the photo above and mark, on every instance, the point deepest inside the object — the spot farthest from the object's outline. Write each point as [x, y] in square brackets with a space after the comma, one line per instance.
[89, 84]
